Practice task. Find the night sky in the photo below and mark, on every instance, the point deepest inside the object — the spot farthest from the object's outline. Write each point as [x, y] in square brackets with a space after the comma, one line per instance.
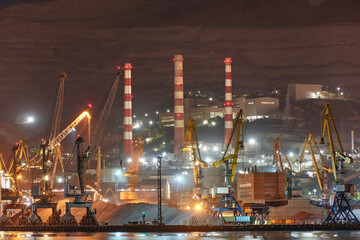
[272, 43]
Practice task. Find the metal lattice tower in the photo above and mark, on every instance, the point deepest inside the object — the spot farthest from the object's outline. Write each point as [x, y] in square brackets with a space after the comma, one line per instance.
[55, 127]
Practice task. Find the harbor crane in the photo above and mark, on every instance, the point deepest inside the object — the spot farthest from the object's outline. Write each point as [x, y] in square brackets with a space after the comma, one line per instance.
[341, 211]
[13, 197]
[200, 193]
[228, 203]
[44, 193]
[321, 172]
[279, 155]
[78, 193]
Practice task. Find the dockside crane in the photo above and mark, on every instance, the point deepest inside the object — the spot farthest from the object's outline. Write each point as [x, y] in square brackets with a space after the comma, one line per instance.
[278, 152]
[78, 193]
[279, 155]
[321, 171]
[341, 211]
[228, 203]
[43, 192]
[200, 193]
[13, 197]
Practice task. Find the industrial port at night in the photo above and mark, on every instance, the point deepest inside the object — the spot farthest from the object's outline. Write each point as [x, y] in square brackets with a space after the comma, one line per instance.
[125, 124]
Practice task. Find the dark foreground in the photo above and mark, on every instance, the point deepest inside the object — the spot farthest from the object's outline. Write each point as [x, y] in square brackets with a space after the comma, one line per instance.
[180, 228]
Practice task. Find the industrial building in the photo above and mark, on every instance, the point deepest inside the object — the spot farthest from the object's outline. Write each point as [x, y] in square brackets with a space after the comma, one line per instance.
[298, 91]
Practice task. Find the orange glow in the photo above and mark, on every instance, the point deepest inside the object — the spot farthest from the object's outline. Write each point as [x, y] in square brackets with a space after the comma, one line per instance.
[118, 67]
[90, 105]
[197, 207]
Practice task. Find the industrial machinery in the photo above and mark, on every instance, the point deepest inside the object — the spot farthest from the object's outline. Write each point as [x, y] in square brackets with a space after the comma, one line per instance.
[200, 194]
[132, 172]
[278, 155]
[18, 160]
[228, 203]
[321, 172]
[341, 210]
[78, 193]
[44, 192]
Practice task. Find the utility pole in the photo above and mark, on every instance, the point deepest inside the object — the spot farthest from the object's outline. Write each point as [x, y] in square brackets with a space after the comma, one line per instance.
[159, 157]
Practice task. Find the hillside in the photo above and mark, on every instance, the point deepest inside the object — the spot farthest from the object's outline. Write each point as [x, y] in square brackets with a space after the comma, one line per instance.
[272, 43]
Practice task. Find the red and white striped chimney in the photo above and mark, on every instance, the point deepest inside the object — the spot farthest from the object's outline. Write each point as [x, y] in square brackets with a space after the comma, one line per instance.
[127, 112]
[228, 101]
[178, 103]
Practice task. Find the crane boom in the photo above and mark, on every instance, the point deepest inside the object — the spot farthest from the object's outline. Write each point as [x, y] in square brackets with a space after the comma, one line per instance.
[55, 127]
[104, 115]
[277, 160]
[68, 129]
[240, 129]
[192, 145]
[327, 126]
[308, 143]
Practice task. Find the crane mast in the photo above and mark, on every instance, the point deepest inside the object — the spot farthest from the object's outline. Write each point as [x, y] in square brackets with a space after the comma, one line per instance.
[228, 203]
[80, 195]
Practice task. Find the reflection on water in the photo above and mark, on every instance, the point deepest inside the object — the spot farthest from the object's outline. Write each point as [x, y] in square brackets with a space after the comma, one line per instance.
[348, 235]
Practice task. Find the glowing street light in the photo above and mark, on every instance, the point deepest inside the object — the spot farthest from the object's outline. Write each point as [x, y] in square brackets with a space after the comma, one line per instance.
[252, 141]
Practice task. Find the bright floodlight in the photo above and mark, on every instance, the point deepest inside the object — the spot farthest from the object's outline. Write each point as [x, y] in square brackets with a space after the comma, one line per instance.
[179, 178]
[252, 141]
[129, 160]
[291, 154]
[117, 173]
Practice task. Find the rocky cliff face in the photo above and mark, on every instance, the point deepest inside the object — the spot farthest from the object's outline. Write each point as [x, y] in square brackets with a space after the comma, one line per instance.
[272, 43]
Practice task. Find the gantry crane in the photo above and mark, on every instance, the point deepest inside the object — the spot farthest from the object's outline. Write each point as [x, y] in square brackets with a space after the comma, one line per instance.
[321, 172]
[79, 193]
[341, 210]
[19, 158]
[44, 192]
[228, 203]
[192, 146]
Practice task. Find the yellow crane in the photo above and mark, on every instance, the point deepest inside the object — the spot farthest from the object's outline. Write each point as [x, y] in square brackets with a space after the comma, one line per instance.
[192, 146]
[278, 152]
[18, 160]
[240, 129]
[321, 172]
[228, 203]
[328, 126]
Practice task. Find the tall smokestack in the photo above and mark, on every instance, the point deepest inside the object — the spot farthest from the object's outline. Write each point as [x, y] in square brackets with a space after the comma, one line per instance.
[127, 111]
[178, 103]
[228, 101]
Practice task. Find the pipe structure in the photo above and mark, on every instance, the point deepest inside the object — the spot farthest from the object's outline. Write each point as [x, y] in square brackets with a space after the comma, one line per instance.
[178, 103]
[228, 101]
[127, 112]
